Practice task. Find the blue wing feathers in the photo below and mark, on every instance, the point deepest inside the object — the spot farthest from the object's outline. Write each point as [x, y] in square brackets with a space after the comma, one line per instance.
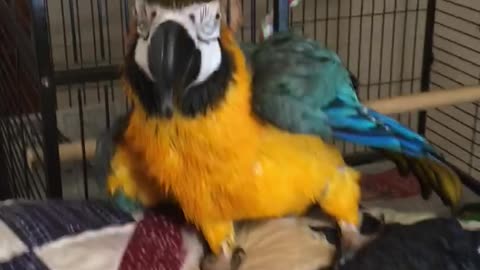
[341, 111]
[395, 126]
[369, 128]
[303, 87]
[385, 142]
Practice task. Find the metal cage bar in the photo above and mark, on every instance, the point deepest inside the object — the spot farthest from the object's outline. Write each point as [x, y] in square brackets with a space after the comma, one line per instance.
[27, 116]
[48, 99]
[427, 59]
[281, 13]
[455, 62]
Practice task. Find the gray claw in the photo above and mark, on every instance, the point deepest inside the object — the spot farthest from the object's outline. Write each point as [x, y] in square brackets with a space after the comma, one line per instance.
[238, 256]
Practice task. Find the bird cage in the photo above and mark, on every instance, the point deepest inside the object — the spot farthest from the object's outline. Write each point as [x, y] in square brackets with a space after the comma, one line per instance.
[27, 105]
[65, 79]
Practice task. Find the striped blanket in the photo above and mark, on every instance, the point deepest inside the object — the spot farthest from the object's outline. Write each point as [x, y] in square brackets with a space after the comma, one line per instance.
[94, 235]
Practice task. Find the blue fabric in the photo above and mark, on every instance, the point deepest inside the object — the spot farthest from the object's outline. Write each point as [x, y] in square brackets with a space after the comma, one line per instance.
[27, 261]
[37, 223]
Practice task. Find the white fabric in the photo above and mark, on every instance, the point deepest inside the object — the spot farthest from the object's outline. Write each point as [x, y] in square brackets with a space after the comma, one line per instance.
[92, 250]
[10, 245]
[194, 250]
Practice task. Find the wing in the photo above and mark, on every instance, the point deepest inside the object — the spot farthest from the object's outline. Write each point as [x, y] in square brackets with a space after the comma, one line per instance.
[302, 87]
[286, 83]
[104, 153]
[105, 149]
[248, 50]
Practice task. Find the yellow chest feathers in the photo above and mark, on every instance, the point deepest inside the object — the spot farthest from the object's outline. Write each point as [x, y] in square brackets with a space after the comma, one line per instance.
[226, 163]
[185, 150]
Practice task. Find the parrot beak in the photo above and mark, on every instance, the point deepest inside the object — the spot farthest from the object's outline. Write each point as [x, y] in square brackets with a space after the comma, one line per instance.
[174, 63]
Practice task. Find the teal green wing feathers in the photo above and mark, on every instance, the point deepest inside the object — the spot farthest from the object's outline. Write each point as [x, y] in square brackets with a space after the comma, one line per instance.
[286, 82]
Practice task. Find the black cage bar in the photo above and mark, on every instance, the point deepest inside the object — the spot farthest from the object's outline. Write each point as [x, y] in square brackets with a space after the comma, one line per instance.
[455, 50]
[394, 47]
[27, 107]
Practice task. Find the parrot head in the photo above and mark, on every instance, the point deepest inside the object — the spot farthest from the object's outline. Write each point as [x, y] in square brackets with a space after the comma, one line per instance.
[177, 51]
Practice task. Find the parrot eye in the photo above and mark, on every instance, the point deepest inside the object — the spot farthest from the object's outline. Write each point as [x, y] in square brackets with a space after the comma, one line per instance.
[207, 20]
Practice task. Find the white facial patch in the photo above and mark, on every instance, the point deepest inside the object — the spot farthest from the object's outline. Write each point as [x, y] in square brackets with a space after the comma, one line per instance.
[202, 21]
[141, 57]
[211, 58]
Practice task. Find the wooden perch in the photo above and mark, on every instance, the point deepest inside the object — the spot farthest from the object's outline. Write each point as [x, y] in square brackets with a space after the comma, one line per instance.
[425, 101]
[422, 101]
[69, 152]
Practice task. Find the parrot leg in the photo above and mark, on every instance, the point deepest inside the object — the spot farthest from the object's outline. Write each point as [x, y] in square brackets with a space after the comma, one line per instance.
[351, 237]
[212, 262]
[220, 237]
[340, 197]
[351, 240]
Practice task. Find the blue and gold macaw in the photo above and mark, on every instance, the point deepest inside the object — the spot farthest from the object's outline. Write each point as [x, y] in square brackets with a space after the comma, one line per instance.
[230, 140]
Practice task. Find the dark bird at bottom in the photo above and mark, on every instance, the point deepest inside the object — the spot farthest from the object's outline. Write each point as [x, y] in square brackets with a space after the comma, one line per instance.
[434, 244]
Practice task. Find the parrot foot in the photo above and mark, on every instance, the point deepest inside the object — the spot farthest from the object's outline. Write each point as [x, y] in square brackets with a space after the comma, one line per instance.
[212, 262]
[351, 240]
[350, 234]
[227, 249]
[220, 237]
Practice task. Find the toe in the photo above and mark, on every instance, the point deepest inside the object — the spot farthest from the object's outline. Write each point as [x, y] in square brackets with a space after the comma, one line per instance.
[237, 258]
[227, 250]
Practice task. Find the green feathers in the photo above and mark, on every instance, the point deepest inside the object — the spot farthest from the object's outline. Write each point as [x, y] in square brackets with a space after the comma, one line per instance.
[126, 204]
[288, 72]
[470, 212]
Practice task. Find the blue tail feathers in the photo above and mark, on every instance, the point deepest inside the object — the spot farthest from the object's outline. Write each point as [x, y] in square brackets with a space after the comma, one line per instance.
[372, 129]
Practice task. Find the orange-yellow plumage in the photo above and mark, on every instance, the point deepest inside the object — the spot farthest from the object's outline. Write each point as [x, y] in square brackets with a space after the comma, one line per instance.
[228, 165]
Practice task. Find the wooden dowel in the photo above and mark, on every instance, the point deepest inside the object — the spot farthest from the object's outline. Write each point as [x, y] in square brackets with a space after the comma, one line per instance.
[422, 101]
[426, 100]
[69, 152]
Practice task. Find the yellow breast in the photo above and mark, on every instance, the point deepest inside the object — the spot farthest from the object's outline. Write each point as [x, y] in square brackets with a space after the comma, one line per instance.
[201, 155]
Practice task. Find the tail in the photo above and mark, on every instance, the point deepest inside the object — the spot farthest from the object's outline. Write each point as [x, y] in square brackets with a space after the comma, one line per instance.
[407, 149]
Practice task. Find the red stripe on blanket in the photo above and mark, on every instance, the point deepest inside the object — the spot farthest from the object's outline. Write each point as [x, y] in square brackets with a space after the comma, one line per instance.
[155, 244]
[388, 184]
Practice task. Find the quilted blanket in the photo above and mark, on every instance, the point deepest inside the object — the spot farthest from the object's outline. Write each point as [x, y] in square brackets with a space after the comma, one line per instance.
[93, 235]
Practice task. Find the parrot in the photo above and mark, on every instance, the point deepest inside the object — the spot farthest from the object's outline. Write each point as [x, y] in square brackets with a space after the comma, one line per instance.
[233, 139]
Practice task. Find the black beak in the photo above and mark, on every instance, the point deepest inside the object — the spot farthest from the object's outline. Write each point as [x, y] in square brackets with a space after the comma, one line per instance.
[174, 63]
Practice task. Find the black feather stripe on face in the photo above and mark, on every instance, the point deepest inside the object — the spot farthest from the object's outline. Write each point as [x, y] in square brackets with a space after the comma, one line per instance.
[141, 85]
[199, 98]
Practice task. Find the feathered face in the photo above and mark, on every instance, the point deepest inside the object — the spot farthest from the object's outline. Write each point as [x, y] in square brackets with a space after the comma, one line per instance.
[178, 47]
